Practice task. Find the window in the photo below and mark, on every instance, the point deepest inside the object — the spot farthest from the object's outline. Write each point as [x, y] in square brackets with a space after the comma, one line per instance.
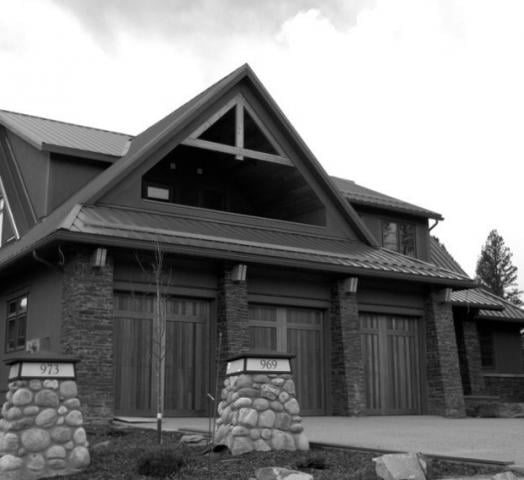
[16, 324]
[157, 191]
[399, 237]
[487, 350]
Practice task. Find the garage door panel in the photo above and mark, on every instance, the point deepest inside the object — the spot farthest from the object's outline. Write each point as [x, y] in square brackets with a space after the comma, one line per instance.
[391, 363]
[186, 362]
[298, 331]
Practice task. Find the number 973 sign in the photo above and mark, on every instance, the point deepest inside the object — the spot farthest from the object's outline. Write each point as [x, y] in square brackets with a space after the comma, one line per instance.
[42, 370]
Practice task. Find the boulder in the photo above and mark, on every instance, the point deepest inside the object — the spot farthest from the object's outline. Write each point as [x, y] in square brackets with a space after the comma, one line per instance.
[278, 473]
[401, 466]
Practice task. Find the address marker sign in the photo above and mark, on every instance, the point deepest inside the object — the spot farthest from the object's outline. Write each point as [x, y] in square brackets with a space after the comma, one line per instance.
[259, 362]
[42, 365]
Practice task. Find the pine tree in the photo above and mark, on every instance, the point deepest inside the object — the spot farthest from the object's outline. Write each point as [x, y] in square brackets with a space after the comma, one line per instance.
[495, 270]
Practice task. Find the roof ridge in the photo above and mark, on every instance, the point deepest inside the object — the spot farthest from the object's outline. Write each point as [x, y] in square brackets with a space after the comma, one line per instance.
[67, 123]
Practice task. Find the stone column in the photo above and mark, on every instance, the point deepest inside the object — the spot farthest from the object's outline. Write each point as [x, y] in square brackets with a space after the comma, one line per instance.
[347, 365]
[473, 360]
[87, 329]
[232, 318]
[260, 412]
[444, 387]
[41, 433]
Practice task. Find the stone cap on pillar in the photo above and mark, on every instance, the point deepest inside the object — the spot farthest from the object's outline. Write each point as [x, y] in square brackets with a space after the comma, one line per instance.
[259, 361]
[26, 365]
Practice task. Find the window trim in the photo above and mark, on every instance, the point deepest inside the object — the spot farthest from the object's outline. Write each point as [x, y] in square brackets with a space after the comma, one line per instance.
[16, 298]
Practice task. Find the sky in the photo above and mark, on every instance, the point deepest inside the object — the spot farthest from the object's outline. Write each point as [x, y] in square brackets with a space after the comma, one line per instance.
[419, 99]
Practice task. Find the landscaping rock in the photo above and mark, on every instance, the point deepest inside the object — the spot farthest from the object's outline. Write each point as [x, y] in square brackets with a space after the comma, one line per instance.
[278, 473]
[79, 457]
[193, 440]
[402, 466]
[241, 445]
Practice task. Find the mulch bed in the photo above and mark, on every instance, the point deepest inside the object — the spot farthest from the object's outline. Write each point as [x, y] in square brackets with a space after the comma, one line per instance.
[120, 457]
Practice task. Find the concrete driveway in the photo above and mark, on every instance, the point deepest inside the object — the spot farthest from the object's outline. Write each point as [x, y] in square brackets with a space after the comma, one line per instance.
[499, 439]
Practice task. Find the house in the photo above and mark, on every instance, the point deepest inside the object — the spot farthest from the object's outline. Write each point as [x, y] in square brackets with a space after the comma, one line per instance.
[261, 249]
[489, 339]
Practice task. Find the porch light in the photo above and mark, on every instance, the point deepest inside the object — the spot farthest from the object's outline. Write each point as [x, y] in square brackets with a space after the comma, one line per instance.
[350, 285]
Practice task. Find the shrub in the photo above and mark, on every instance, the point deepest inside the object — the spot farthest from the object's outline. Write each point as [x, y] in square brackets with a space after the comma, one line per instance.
[161, 463]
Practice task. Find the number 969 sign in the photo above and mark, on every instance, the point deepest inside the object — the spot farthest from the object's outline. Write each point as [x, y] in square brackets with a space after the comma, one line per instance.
[280, 365]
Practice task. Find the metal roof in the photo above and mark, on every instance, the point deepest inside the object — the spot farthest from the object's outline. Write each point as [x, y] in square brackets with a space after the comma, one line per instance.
[440, 256]
[365, 196]
[280, 246]
[475, 298]
[52, 135]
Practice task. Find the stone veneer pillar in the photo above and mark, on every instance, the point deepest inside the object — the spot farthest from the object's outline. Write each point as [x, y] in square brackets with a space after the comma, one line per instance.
[87, 329]
[347, 364]
[473, 359]
[444, 386]
[232, 319]
[41, 433]
[259, 412]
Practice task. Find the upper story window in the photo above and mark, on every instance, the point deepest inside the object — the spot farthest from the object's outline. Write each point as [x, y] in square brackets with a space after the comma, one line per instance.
[16, 324]
[399, 237]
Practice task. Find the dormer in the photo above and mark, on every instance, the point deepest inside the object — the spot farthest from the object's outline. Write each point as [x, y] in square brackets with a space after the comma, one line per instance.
[397, 225]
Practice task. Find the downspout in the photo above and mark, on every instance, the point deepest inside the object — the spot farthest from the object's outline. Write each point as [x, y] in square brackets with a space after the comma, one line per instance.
[434, 225]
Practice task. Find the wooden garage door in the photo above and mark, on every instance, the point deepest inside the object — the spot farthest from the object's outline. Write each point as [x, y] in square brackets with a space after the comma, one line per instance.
[390, 347]
[298, 331]
[187, 355]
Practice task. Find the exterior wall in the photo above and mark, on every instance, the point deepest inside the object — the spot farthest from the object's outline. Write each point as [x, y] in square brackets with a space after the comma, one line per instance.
[34, 166]
[44, 291]
[67, 175]
[87, 329]
[444, 387]
[347, 368]
[468, 345]
[508, 387]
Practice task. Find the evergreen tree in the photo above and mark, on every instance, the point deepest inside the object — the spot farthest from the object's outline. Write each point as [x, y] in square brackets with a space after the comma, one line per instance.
[495, 270]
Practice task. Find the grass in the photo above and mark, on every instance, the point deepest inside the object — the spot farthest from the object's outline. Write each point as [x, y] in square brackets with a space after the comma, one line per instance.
[121, 458]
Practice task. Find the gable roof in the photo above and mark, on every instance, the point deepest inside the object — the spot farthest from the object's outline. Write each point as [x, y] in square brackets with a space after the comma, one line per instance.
[66, 221]
[360, 195]
[60, 137]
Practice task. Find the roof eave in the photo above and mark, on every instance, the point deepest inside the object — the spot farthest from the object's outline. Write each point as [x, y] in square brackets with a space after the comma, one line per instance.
[76, 152]
[422, 214]
[79, 237]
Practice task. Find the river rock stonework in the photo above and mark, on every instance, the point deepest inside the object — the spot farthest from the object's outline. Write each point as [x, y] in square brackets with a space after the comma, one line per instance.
[41, 432]
[260, 412]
